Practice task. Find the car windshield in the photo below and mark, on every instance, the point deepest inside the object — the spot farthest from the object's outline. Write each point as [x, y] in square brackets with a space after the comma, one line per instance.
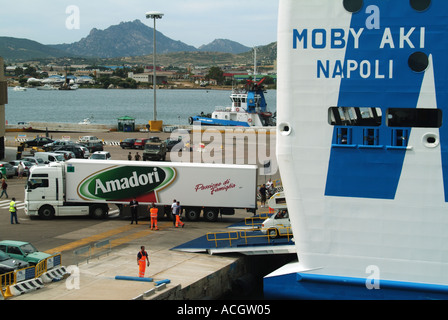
[3, 256]
[28, 248]
[98, 156]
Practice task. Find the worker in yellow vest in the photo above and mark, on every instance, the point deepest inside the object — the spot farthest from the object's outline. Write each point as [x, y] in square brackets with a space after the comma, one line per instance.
[153, 214]
[142, 261]
[13, 210]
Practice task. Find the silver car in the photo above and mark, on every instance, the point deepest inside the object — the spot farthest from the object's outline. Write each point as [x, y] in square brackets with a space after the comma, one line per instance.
[10, 171]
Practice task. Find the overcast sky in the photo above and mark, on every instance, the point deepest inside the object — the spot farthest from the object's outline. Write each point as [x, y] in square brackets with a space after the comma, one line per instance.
[195, 22]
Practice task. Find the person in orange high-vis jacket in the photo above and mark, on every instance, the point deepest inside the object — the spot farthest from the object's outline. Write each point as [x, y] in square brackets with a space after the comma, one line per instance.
[178, 214]
[154, 213]
[142, 261]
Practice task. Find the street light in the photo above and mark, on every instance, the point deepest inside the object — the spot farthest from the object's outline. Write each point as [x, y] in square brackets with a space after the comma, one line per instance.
[154, 15]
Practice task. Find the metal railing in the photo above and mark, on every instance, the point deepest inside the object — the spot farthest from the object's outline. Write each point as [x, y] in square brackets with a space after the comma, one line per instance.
[17, 276]
[92, 251]
[247, 234]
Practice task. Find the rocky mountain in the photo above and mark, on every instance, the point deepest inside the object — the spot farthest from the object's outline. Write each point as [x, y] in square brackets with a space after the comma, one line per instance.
[129, 41]
[224, 45]
[24, 49]
[126, 39]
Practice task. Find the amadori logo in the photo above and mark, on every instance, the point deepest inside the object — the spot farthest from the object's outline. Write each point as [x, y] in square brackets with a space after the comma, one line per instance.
[124, 183]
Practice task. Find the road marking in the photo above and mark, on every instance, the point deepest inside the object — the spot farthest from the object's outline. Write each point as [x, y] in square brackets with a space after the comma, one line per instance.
[108, 234]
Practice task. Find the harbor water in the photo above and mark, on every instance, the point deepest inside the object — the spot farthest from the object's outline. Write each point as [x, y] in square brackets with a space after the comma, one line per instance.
[102, 106]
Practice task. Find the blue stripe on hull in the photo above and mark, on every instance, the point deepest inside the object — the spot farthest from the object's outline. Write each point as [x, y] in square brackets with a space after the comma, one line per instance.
[321, 287]
[219, 122]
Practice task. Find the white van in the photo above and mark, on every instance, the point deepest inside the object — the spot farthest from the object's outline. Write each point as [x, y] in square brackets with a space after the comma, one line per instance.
[48, 157]
[278, 224]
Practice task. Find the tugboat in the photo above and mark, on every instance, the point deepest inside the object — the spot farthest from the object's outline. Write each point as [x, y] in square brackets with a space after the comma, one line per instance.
[249, 109]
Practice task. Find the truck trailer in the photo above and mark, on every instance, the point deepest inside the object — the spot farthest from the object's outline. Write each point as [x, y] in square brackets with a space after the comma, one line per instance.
[81, 187]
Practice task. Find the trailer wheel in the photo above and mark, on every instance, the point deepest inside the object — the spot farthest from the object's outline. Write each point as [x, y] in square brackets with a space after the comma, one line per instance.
[99, 211]
[192, 214]
[211, 215]
[46, 212]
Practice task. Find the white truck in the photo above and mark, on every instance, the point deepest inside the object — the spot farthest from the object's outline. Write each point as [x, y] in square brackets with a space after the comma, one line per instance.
[81, 187]
[277, 224]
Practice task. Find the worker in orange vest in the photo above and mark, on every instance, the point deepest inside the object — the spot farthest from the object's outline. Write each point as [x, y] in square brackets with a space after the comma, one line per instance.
[142, 257]
[178, 214]
[154, 213]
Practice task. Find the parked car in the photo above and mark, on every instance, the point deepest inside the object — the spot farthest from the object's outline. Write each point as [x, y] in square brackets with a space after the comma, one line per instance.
[26, 166]
[48, 157]
[86, 139]
[94, 146]
[100, 155]
[77, 149]
[85, 151]
[140, 143]
[23, 250]
[127, 143]
[10, 171]
[8, 264]
[34, 160]
[38, 142]
[67, 154]
[170, 143]
[56, 144]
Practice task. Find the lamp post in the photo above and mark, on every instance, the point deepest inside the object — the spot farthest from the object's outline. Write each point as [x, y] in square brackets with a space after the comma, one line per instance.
[154, 15]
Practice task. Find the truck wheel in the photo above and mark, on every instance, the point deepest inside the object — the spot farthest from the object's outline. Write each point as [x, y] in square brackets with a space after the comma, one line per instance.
[211, 215]
[46, 212]
[98, 212]
[192, 214]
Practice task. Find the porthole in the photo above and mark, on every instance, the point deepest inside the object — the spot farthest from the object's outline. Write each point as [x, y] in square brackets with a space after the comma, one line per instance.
[420, 5]
[431, 140]
[353, 6]
[418, 61]
[285, 129]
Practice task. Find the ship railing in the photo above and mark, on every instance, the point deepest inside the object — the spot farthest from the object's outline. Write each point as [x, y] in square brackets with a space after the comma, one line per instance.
[246, 235]
[223, 236]
[255, 222]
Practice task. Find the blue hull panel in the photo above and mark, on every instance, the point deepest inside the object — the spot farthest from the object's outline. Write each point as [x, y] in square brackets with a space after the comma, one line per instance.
[320, 287]
[219, 122]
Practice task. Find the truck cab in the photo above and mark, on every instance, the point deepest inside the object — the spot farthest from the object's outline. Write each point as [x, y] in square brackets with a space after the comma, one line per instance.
[278, 224]
[45, 195]
[155, 150]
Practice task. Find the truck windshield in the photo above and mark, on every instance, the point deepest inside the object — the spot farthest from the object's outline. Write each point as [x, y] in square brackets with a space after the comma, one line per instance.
[152, 147]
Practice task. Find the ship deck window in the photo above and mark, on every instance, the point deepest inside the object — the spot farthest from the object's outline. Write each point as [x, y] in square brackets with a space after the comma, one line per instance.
[400, 137]
[354, 116]
[371, 137]
[344, 136]
[414, 118]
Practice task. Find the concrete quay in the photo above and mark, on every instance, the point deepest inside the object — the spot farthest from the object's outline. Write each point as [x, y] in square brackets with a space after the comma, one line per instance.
[193, 276]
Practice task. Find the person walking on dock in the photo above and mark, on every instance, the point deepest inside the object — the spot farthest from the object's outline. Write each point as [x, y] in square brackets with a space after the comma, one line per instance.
[173, 211]
[4, 187]
[134, 210]
[142, 262]
[178, 214]
[153, 214]
[13, 210]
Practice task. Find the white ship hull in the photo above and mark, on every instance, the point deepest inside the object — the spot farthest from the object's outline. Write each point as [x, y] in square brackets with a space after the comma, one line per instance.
[367, 196]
